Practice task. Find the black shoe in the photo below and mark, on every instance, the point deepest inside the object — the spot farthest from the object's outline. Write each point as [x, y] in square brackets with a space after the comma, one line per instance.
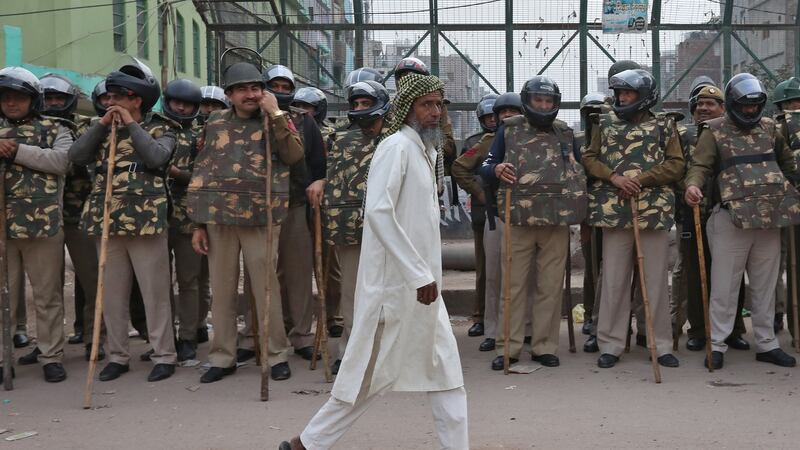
[587, 327]
[161, 372]
[202, 335]
[590, 346]
[30, 358]
[306, 353]
[547, 360]
[112, 371]
[641, 340]
[280, 371]
[777, 324]
[335, 366]
[475, 330]
[737, 343]
[527, 340]
[13, 373]
[216, 373]
[668, 360]
[487, 345]
[54, 372]
[497, 363]
[717, 360]
[606, 361]
[186, 350]
[243, 354]
[21, 340]
[336, 331]
[146, 355]
[76, 338]
[101, 352]
[695, 344]
[777, 357]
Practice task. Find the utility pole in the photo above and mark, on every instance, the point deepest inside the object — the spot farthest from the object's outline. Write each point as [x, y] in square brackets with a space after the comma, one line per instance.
[162, 23]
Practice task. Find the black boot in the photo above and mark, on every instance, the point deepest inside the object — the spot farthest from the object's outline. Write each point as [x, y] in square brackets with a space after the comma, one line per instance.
[186, 350]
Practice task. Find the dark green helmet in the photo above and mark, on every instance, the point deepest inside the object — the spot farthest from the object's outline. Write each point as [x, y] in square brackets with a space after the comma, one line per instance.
[240, 73]
[786, 90]
[621, 66]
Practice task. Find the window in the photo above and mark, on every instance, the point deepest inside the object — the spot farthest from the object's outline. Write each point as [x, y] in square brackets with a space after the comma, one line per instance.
[141, 28]
[180, 39]
[118, 14]
[196, 48]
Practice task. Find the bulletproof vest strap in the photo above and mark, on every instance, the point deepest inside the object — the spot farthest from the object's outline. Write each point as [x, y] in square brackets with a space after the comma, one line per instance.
[747, 159]
[562, 141]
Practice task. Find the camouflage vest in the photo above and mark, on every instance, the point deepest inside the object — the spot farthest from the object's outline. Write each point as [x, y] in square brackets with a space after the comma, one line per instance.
[183, 159]
[78, 183]
[791, 120]
[348, 165]
[751, 184]
[33, 206]
[630, 149]
[138, 198]
[227, 186]
[551, 185]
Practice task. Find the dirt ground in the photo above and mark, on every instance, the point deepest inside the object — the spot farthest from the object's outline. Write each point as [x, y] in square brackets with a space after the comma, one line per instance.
[746, 405]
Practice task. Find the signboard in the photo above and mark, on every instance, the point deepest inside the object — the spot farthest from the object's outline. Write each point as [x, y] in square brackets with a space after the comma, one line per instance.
[624, 16]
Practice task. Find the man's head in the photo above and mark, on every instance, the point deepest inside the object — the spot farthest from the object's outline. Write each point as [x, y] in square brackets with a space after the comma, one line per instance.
[485, 113]
[410, 65]
[131, 81]
[708, 104]
[182, 101]
[100, 98]
[20, 93]
[212, 99]
[313, 101]
[280, 81]
[621, 66]
[786, 95]
[418, 104]
[369, 104]
[541, 99]
[507, 105]
[635, 92]
[60, 96]
[362, 74]
[745, 99]
[244, 87]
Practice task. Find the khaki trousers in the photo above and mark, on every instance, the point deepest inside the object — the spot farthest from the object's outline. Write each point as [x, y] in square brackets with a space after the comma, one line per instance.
[295, 267]
[543, 249]
[226, 242]
[735, 251]
[480, 277]
[148, 258]
[348, 263]
[83, 253]
[188, 269]
[618, 259]
[43, 260]
[333, 288]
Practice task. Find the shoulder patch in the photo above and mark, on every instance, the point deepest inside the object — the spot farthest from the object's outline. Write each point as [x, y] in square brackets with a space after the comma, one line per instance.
[471, 152]
[290, 126]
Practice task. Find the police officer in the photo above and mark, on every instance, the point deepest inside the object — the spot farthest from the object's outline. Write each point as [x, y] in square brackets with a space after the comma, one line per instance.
[634, 154]
[181, 103]
[750, 162]
[348, 165]
[535, 157]
[139, 223]
[227, 203]
[314, 102]
[34, 149]
[213, 99]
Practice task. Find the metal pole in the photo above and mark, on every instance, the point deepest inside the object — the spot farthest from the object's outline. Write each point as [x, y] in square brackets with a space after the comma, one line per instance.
[584, 52]
[434, 15]
[283, 40]
[509, 25]
[796, 32]
[727, 65]
[655, 20]
[358, 13]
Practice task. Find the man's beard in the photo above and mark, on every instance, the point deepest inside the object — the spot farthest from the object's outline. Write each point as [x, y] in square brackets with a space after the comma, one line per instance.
[431, 137]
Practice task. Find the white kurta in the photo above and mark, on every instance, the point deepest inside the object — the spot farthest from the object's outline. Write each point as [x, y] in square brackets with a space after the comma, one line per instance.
[400, 252]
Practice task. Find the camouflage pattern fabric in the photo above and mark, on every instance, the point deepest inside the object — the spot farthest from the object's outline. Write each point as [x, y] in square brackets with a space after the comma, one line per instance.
[551, 185]
[138, 199]
[630, 149]
[32, 203]
[789, 122]
[227, 185]
[78, 183]
[348, 164]
[751, 183]
[183, 159]
[689, 135]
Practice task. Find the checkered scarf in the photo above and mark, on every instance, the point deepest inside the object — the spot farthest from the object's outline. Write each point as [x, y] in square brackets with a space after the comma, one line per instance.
[410, 87]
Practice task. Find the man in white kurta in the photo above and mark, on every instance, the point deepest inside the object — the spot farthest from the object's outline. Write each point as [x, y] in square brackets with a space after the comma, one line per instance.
[402, 339]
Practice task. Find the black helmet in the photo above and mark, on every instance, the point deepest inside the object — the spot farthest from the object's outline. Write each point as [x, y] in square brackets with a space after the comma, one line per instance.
[57, 84]
[362, 74]
[314, 97]
[485, 108]
[410, 64]
[540, 85]
[279, 71]
[507, 100]
[214, 94]
[698, 84]
[241, 73]
[184, 90]
[637, 80]
[621, 66]
[23, 81]
[378, 93]
[745, 89]
[138, 79]
[99, 91]
[592, 99]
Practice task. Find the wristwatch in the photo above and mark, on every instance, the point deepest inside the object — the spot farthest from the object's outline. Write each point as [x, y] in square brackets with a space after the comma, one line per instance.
[275, 115]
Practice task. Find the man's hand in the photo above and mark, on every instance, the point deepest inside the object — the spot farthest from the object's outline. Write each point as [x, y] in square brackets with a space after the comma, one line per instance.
[505, 172]
[8, 148]
[268, 103]
[200, 241]
[122, 114]
[693, 195]
[314, 192]
[174, 172]
[628, 186]
[428, 294]
[108, 118]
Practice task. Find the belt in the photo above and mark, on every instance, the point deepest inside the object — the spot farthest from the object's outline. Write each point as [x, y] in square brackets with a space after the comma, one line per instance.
[134, 167]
